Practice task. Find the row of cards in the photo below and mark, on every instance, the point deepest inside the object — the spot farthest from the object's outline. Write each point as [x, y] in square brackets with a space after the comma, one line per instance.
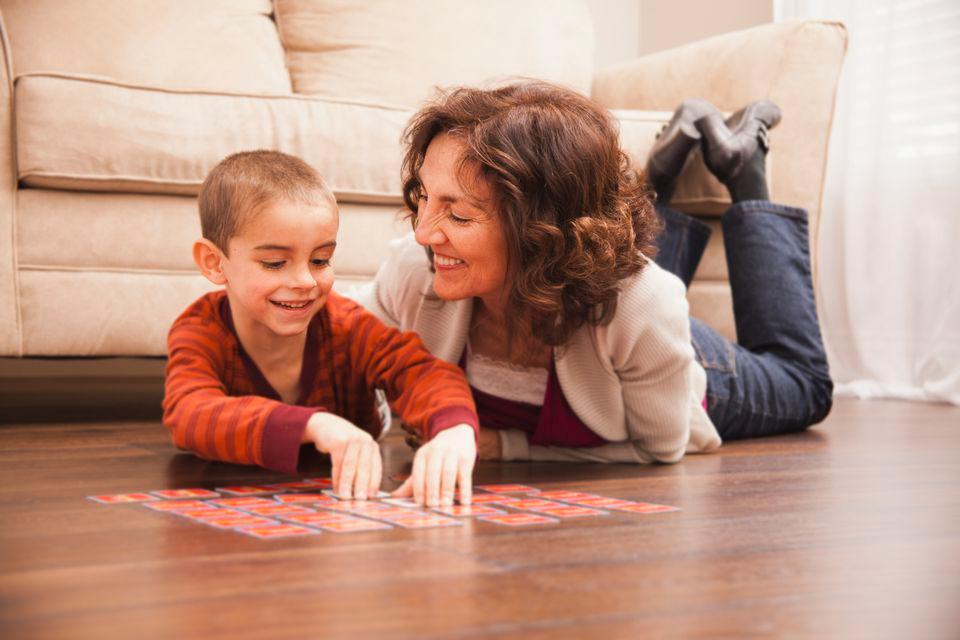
[286, 514]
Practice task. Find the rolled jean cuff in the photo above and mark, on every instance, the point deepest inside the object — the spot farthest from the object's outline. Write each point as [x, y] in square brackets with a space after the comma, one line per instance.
[765, 206]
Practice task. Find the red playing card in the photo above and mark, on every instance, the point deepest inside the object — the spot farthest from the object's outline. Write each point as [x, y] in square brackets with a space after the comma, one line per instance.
[401, 502]
[210, 512]
[120, 498]
[177, 505]
[491, 498]
[294, 498]
[508, 488]
[353, 525]
[535, 504]
[646, 507]
[314, 519]
[233, 522]
[310, 484]
[245, 490]
[244, 502]
[520, 519]
[470, 511]
[171, 494]
[568, 511]
[279, 510]
[565, 496]
[281, 530]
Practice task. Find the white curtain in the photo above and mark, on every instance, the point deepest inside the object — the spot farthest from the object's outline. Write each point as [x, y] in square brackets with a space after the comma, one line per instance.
[889, 276]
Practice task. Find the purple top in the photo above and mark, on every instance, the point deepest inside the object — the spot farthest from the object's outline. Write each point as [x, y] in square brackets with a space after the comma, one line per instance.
[553, 424]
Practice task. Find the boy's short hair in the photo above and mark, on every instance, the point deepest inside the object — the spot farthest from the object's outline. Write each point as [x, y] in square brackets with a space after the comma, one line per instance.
[242, 183]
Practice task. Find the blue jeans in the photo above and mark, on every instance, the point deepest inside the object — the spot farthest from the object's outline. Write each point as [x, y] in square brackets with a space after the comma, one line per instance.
[775, 378]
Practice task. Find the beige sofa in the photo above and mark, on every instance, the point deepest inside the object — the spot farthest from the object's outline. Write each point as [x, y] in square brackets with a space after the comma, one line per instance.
[116, 109]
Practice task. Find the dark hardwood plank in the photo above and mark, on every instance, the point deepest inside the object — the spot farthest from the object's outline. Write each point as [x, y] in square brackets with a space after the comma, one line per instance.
[849, 530]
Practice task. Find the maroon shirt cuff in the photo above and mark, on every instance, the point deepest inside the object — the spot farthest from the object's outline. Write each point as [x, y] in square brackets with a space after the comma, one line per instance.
[451, 417]
[280, 448]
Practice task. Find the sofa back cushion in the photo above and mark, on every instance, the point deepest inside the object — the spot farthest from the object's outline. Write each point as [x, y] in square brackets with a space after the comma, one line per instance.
[214, 45]
[395, 53]
[93, 135]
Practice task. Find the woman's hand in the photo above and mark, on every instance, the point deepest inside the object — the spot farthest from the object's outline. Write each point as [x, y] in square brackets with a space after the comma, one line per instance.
[440, 466]
[489, 445]
[354, 453]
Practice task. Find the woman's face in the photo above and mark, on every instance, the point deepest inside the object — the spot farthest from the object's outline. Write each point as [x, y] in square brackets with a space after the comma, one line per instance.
[456, 220]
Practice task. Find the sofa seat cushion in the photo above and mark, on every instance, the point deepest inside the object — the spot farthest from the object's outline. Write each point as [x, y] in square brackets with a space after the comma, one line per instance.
[144, 233]
[86, 134]
[216, 45]
[397, 52]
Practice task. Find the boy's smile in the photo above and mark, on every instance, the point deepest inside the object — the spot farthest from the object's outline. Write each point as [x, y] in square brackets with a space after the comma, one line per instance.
[277, 272]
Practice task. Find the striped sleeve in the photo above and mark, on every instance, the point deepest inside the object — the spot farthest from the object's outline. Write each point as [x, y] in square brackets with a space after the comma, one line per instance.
[204, 418]
[429, 394]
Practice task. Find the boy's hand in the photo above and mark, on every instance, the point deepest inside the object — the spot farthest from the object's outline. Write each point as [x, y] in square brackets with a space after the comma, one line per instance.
[354, 454]
[440, 466]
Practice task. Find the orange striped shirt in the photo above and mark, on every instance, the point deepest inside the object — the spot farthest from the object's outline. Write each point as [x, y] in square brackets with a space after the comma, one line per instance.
[219, 405]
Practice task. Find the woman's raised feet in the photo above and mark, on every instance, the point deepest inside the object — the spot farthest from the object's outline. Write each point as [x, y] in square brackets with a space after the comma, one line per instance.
[735, 150]
[674, 144]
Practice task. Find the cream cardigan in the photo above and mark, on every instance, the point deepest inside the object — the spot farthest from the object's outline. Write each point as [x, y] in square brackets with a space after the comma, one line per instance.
[634, 381]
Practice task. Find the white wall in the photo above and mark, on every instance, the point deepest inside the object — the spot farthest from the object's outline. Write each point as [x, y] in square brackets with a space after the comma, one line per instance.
[626, 29]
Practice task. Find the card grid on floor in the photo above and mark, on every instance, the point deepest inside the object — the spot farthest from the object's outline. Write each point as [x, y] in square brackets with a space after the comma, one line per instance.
[309, 506]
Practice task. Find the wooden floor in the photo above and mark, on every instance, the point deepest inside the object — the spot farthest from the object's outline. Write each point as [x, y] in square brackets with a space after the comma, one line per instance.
[851, 530]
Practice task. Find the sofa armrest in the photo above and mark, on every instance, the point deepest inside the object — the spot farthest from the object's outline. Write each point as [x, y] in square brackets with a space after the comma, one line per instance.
[11, 343]
[796, 64]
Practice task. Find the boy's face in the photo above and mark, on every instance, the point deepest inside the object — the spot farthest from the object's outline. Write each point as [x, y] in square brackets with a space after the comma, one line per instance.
[278, 272]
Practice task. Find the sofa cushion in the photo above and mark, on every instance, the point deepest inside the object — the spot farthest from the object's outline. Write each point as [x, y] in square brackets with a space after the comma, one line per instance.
[397, 52]
[81, 133]
[94, 135]
[143, 233]
[216, 45]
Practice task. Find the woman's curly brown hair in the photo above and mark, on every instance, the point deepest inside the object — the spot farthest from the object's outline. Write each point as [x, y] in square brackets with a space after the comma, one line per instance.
[577, 218]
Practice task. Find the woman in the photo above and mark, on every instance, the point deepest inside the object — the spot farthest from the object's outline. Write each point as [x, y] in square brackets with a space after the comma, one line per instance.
[537, 281]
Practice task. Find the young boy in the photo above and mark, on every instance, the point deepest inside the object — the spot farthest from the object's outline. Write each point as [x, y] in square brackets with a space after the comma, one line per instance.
[277, 359]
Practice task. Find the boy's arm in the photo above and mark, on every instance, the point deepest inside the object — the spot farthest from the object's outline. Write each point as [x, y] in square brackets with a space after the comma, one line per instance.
[429, 394]
[203, 418]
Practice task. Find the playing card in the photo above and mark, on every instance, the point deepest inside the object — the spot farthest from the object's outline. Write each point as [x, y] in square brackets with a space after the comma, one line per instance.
[177, 505]
[279, 510]
[353, 525]
[209, 512]
[334, 494]
[120, 498]
[171, 494]
[314, 519]
[244, 502]
[508, 488]
[308, 498]
[310, 484]
[245, 490]
[535, 504]
[571, 511]
[646, 507]
[565, 496]
[491, 498]
[401, 502]
[470, 511]
[279, 530]
[234, 521]
[519, 519]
